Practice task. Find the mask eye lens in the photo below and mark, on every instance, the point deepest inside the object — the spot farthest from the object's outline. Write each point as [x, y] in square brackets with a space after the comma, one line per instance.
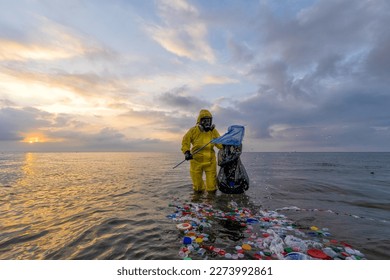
[206, 122]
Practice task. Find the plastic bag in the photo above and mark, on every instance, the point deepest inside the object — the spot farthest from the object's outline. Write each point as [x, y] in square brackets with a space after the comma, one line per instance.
[232, 177]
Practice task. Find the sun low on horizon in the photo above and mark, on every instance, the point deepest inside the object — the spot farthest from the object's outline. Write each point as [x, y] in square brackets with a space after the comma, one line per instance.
[300, 76]
[33, 138]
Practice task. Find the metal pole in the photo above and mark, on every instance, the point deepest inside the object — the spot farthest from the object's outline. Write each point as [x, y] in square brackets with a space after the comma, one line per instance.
[197, 151]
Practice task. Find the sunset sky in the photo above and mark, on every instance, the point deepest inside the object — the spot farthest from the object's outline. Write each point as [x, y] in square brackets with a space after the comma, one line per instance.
[116, 75]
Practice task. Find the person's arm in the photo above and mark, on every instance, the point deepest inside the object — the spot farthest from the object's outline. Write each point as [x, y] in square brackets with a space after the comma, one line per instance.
[186, 142]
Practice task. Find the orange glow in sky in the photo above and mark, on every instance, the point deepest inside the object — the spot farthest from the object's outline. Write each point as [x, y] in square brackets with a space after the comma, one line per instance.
[33, 140]
[136, 79]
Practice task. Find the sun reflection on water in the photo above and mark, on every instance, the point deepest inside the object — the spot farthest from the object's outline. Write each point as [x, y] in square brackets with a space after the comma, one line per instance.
[61, 196]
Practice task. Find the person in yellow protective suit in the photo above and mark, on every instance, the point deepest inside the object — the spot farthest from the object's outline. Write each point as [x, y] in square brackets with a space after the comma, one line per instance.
[204, 160]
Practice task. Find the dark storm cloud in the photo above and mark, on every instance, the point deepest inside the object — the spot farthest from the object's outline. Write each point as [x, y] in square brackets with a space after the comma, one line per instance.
[14, 122]
[378, 59]
[110, 139]
[299, 74]
[65, 132]
[323, 28]
[322, 76]
[178, 99]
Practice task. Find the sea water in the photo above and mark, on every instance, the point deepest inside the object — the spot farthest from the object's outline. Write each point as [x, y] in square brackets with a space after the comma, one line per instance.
[115, 205]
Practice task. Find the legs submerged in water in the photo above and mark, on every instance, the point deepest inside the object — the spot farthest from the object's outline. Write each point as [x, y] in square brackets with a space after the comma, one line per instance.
[197, 169]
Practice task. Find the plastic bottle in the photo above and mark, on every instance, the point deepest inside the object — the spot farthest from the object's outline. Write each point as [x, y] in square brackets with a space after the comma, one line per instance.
[313, 244]
[183, 254]
[296, 256]
[187, 240]
[350, 250]
[228, 256]
[329, 252]
[295, 242]
[277, 247]
[201, 251]
[358, 253]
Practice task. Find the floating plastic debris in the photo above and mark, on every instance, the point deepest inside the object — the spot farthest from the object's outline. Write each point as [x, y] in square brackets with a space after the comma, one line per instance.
[239, 233]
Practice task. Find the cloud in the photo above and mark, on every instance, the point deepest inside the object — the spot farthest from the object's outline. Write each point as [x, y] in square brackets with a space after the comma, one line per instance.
[66, 132]
[240, 52]
[48, 40]
[61, 89]
[50, 57]
[152, 123]
[218, 80]
[107, 139]
[6, 103]
[324, 27]
[320, 76]
[14, 123]
[300, 75]
[377, 62]
[11, 50]
[180, 99]
[182, 33]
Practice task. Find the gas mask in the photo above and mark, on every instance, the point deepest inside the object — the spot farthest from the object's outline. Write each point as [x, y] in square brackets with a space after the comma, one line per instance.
[206, 124]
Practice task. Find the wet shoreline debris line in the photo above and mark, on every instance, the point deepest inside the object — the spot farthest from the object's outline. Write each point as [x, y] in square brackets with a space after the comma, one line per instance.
[238, 233]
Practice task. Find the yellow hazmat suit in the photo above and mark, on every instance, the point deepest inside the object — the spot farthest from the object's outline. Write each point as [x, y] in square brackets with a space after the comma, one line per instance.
[204, 160]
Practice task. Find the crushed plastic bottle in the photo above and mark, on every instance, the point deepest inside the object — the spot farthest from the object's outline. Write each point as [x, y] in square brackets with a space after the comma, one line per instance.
[277, 247]
[201, 251]
[296, 256]
[296, 243]
[260, 235]
[329, 252]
